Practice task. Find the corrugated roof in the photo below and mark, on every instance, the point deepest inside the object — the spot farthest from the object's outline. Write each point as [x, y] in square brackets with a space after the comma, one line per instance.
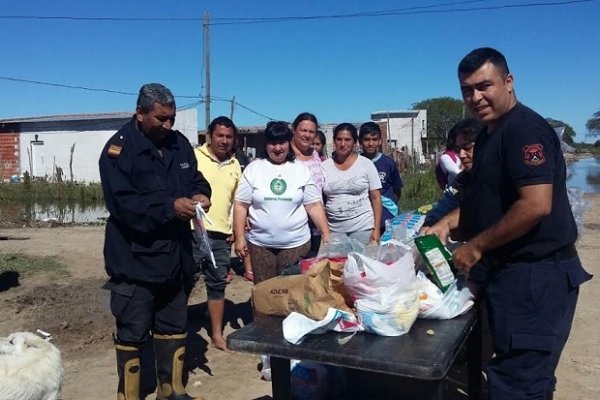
[394, 114]
[70, 117]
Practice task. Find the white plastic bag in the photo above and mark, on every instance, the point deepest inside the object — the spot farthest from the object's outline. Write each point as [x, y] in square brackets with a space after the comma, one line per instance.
[433, 304]
[296, 326]
[385, 288]
[265, 370]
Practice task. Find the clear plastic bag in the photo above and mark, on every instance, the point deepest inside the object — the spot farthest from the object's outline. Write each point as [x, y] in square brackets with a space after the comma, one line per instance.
[202, 235]
[578, 205]
[340, 245]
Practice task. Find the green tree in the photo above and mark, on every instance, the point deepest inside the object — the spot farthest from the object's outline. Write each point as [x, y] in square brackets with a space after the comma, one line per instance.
[569, 132]
[593, 125]
[442, 113]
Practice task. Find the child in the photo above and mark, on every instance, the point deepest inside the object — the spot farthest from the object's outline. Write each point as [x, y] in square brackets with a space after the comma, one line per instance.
[369, 137]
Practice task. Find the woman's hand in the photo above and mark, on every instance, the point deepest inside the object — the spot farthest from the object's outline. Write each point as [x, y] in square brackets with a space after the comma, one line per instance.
[375, 236]
[241, 247]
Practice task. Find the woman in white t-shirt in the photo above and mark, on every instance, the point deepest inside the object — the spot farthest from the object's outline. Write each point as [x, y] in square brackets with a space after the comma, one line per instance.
[352, 196]
[449, 164]
[277, 195]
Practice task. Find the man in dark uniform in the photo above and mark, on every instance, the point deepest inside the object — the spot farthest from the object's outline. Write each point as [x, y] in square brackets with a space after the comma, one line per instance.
[521, 227]
[151, 186]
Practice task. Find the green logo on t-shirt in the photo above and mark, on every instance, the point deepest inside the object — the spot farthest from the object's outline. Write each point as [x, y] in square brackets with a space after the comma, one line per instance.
[278, 186]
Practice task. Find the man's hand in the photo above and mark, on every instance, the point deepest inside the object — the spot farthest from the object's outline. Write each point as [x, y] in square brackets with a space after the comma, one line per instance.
[203, 201]
[441, 230]
[465, 257]
[185, 208]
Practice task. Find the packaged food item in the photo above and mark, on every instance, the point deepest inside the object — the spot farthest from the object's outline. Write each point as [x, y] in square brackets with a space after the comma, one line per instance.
[404, 226]
[438, 260]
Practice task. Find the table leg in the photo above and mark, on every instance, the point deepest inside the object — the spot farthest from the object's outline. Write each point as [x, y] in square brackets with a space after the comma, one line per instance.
[280, 378]
[474, 356]
[437, 390]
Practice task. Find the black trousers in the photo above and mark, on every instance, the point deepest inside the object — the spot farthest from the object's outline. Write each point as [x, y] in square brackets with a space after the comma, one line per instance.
[141, 309]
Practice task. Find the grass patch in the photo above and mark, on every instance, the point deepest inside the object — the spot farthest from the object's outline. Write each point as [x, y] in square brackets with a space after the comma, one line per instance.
[420, 188]
[44, 191]
[31, 265]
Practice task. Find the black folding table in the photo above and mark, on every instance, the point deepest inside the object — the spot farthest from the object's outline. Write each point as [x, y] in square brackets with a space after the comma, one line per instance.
[423, 359]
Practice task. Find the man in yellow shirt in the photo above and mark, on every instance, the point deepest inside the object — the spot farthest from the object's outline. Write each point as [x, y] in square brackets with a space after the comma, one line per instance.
[222, 170]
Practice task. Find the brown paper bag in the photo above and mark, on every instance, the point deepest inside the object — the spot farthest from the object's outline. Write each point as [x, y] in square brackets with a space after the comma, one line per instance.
[310, 294]
[336, 268]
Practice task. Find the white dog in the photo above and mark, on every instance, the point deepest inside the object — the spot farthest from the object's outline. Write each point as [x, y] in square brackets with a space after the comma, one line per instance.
[30, 368]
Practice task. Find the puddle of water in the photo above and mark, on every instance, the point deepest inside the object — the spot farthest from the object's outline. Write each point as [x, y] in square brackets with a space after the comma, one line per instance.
[585, 175]
[28, 213]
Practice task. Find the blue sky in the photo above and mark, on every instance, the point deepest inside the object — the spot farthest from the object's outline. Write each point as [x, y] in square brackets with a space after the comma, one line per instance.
[340, 69]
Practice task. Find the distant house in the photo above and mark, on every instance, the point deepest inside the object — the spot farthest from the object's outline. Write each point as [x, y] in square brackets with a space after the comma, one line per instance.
[400, 131]
[40, 145]
[405, 129]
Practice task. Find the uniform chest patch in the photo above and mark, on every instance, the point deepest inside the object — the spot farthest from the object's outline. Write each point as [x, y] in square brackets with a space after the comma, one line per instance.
[533, 155]
[114, 150]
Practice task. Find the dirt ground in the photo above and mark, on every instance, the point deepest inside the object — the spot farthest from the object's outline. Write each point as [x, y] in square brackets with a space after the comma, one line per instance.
[75, 310]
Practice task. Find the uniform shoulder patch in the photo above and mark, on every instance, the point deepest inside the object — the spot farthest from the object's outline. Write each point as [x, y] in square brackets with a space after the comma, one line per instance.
[533, 154]
[114, 150]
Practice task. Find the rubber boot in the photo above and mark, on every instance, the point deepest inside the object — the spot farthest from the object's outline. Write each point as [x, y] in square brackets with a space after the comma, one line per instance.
[169, 351]
[128, 369]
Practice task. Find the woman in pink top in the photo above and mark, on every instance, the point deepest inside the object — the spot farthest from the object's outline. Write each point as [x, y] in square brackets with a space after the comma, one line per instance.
[305, 129]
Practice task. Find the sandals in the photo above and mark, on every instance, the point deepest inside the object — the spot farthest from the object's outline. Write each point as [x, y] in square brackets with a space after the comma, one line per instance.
[249, 276]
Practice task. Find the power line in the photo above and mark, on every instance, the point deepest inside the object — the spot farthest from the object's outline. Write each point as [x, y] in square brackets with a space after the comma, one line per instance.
[8, 78]
[200, 99]
[351, 15]
[217, 98]
[112, 19]
[387, 13]
[261, 20]
[63, 85]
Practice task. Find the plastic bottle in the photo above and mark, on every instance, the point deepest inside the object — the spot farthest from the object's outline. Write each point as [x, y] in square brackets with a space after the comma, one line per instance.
[437, 259]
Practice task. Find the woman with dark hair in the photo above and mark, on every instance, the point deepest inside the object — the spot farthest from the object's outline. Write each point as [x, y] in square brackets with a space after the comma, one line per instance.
[305, 130]
[449, 164]
[463, 133]
[277, 195]
[353, 199]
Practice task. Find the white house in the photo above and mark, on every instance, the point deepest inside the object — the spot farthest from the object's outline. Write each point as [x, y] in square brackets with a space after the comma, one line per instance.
[406, 128]
[41, 144]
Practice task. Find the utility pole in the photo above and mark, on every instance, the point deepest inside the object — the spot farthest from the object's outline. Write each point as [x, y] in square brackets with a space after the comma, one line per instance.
[412, 139]
[207, 98]
[232, 108]
[389, 131]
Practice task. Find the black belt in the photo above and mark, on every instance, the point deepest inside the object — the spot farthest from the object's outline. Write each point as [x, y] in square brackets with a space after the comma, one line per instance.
[218, 235]
[564, 253]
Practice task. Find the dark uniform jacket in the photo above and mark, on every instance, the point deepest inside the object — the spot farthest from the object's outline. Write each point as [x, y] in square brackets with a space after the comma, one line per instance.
[145, 241]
